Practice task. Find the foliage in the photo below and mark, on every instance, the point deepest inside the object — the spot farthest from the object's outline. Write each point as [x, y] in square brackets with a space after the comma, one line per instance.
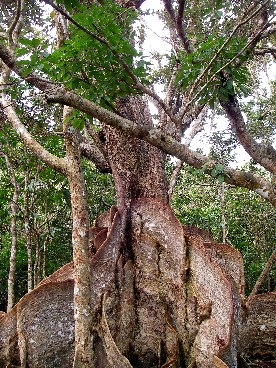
[210, 84]
[102, 40]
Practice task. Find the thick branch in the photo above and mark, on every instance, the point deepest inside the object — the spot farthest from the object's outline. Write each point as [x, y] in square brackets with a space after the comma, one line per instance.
[150, 134]
[265, 155]
[164, 142]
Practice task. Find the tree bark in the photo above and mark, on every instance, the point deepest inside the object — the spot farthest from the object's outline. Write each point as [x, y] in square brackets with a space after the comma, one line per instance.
[223, 219]
[80, 240]
[13, 229]
[137, 167]
[264, 154]
[27, 228]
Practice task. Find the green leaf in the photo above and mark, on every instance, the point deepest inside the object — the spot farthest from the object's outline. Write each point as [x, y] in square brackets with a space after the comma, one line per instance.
[78, 123]
[34, 58]
[214, 173]
[244, 89]
[212, 103]
[25, 41]
[35, 42]
[22, 51]
[229, 85]
[219, 167]
[220, 178]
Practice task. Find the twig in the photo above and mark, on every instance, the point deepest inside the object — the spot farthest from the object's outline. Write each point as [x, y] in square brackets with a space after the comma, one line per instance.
[225, 43]
[262, 276]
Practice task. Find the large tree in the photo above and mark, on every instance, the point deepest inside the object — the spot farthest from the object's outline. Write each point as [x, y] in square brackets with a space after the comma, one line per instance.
[152, 293]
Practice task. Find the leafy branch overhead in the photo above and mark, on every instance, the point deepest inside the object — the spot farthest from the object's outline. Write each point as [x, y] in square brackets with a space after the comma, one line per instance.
[104, 64]
[210, 64]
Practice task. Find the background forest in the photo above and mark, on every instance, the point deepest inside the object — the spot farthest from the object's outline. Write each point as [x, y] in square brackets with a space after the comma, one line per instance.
[44, 206]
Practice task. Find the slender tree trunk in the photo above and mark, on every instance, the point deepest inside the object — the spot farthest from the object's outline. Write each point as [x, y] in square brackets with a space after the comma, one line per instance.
[44, 256]
[262, 276]
[223, 219]
[27, 228]
[13, 230]
[37, 262]
[80, 240]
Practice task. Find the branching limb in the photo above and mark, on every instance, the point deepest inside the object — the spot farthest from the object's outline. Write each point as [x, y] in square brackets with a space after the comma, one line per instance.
[248, 47]
[197, 127]
[166, 143]
[265, 155]
[154, 136]
[211, 79]
[268, 32]
[177, 20]
[95, 137]
[91, 152]
[266, 50]
[14, 28]
[168, 6]
[6, 54]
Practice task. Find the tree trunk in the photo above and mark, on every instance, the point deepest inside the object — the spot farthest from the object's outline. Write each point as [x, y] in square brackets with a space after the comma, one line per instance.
[80, 240]
[137, 167]
[27, 228]
[37, 262]
[159, 295]
[150, 264]
[13, 229]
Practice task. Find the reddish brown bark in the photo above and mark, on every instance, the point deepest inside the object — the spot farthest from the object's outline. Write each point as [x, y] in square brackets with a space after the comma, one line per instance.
[137, 167]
